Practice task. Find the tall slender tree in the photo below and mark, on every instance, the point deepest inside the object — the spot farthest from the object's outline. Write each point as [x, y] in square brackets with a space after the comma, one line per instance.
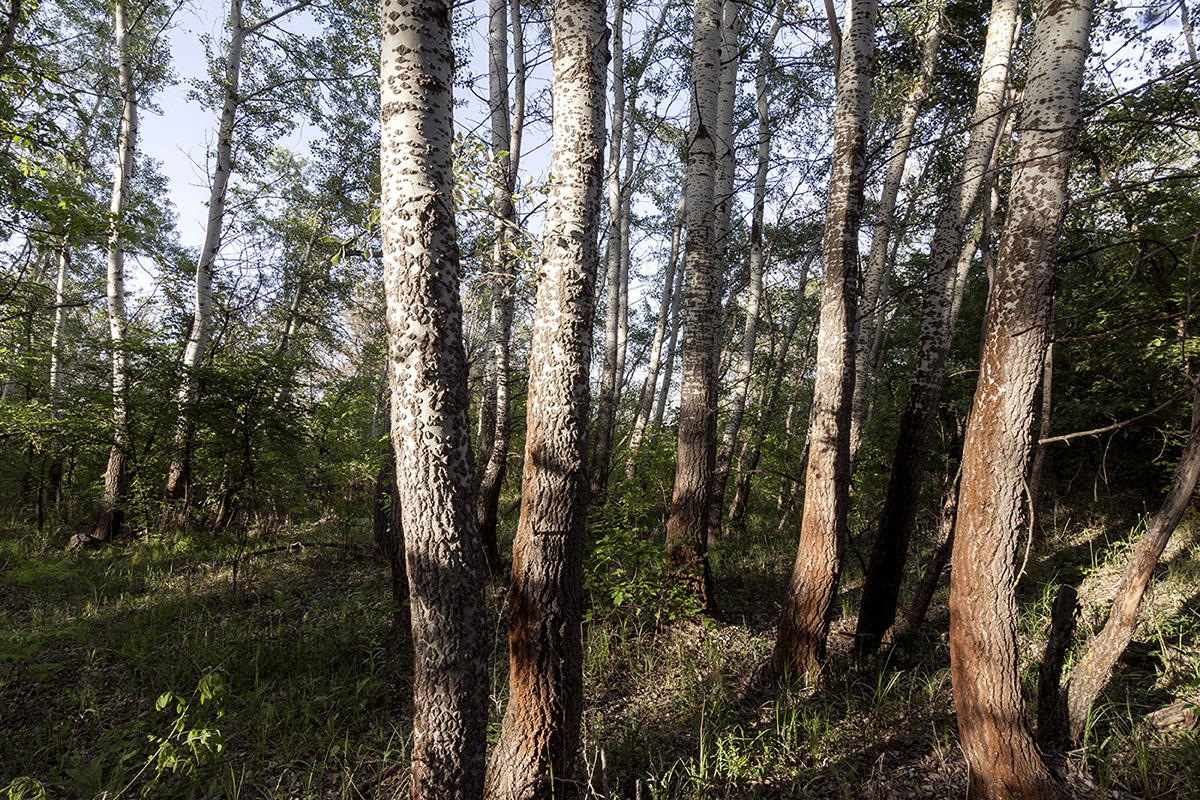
[1003, 760]
[539, 738]
[428, 376]
[740, 380]
[804, 621]
[506, 155]
[687, 527]
[885, 217]
[112, 512]
[885, 569]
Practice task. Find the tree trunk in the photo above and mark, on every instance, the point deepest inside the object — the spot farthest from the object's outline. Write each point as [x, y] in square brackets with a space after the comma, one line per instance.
[539, 738]
[739, 383]
[885, 570]
[428, 377]
[646, 398]
[804, 621]
[177, 474]
[884, 221]
[752, 449]
[1039, 449]
[1094, 670]
[660, 405]
[496, 442]
[1002, 757]
[687, 526]
[112, 512]
[609, 376]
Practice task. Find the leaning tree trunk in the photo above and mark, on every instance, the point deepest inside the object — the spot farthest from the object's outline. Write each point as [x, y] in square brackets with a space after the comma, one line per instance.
[740, 380]
[804, 621]
[177, 475]
[885, 569]
[428, 377]
[494, 452]
[687, 526]
[1094, 670]
[885, 217]
[646, 399]
[1001, 755]
[610, 376]
[539, 738]
[660, 405]
[112, 513]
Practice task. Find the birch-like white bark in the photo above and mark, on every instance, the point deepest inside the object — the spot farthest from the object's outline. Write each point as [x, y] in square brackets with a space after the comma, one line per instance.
[646, 397]
[739, 380]
[428, 377]
[885, 218]
[687, 526]
[804, 621]
[197, 341]
[112, 513]
[886, 564]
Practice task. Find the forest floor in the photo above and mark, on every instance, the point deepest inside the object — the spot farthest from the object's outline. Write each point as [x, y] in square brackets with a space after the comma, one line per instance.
[235, 666]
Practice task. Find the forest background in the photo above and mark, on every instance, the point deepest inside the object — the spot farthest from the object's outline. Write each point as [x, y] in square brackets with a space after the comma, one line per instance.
[240, 628]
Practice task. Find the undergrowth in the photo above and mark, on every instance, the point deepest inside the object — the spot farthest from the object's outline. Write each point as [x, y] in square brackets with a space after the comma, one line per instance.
[169, 667]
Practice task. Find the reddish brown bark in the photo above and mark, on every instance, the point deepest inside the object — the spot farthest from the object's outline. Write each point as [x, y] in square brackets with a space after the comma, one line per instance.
[1003, 759]
[804, 621]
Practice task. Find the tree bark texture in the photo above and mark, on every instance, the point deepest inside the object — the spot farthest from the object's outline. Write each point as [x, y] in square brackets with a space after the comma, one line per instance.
[112, 513]
[885, 569]
[804, 621]
[687, 526]
[428, 378]
[1094, 670]
[1004, 761]
[539, 738]
[885, 220]
[660, 405]
[177, 474]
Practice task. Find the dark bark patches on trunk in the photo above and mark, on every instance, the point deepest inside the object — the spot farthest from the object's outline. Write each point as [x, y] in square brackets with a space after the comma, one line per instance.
[696, 451]
[428, 378]
[996, 739]
[804, 621]
[539, 738]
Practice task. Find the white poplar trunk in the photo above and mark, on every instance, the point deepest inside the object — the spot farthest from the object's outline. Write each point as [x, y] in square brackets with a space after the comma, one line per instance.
[739, 381]
[428, 377]
[804, 621]
[609, 376]
[197, 341]
[885, 219]
[112, 513]
[917, 422]
[664, 392]
[687, 527]
[1002, 758]
[646, 399]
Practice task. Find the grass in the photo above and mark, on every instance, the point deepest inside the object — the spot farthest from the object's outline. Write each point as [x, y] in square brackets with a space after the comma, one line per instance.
[314, 678]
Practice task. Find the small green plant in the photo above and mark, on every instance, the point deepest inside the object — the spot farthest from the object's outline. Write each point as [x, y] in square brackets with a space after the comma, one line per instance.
[626, 573]
[185, 748]
[25, 788]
